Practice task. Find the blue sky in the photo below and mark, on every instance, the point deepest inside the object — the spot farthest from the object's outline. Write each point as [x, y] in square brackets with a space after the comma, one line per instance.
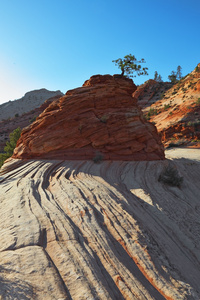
[59, 44]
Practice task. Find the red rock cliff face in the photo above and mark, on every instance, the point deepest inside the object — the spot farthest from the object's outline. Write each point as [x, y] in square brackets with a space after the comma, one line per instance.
[101, 118]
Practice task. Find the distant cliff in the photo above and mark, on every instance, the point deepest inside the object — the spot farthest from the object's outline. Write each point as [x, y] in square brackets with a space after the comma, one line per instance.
[28, 102]
[24, 120]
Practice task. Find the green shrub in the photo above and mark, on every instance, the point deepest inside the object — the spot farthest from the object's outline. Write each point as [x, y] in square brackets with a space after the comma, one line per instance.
[162, 95]
[98, 158]
[170, 176]
[166, 106]
[3, 157]
[174, 92]
[104, 118]
[33, 119]
[198, 101]
[80, 127]
[152, 112]
[10, 145]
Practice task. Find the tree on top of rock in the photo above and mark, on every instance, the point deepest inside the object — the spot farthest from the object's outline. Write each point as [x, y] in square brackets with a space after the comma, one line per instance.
[179, 73]
[173, 77]
[129, 64]
[176, 76]
[157, 77]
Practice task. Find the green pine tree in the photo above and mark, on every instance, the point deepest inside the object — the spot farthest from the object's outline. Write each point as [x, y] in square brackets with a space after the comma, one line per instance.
[10, 145]
[129, 65]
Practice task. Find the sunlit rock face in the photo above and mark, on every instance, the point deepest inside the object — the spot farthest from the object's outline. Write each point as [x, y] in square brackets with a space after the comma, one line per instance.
[173, 108]
[101, 120]
[79, 230]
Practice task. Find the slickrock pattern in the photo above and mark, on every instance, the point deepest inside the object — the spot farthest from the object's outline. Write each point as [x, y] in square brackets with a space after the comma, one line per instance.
[100, 119]
[79, 230]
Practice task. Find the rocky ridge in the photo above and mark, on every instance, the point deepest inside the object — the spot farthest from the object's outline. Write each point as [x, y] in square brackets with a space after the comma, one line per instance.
[7, 126]
[100, 120]
[28, 102]
[174, 109]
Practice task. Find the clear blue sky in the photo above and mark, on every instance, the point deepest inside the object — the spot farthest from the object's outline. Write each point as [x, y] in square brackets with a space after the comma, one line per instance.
[58, 44]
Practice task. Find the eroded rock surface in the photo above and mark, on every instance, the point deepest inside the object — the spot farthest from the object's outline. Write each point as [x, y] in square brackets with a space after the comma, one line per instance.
[80, 230]
[173, 108]
[100, 119]
[22, 121]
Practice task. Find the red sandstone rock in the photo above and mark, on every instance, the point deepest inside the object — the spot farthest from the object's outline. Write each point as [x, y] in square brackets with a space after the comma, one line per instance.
[24, 120]
[101, 117]
[173, 108]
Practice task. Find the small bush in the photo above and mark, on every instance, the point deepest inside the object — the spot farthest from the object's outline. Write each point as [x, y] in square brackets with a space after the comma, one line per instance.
[152, 112]
[198, 101]
[190, 123]
[170, 176]
[3, 157]
[104, 118]
[162, 95]
[98, 158]
[172, 145]
[33, 119]
[177, 143]
[10, 145]
[80, 127]
[166, 106]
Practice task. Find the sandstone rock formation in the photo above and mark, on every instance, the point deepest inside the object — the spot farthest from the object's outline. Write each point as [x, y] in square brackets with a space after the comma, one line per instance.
[79, 230]
[28, 102]
[174, 109]
[150, 92]
[98, 120]
[22, 121]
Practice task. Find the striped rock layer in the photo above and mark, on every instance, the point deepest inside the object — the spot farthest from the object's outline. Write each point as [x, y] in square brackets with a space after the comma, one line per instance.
[79, 230]
[100, 120]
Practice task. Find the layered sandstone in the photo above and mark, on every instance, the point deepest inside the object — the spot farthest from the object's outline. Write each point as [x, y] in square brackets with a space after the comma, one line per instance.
[22, 121]
[78, 230]
[101, 120]
[173, 108]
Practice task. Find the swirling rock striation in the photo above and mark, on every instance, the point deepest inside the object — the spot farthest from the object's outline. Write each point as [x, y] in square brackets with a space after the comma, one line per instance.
[80, 230]
[100, 119]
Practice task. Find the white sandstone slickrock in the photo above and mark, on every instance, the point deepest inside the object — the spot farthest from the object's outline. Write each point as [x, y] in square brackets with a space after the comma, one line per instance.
[79, 230]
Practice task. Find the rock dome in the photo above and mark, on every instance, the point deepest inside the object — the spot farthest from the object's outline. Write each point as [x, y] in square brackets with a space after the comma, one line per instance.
[100, 119]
